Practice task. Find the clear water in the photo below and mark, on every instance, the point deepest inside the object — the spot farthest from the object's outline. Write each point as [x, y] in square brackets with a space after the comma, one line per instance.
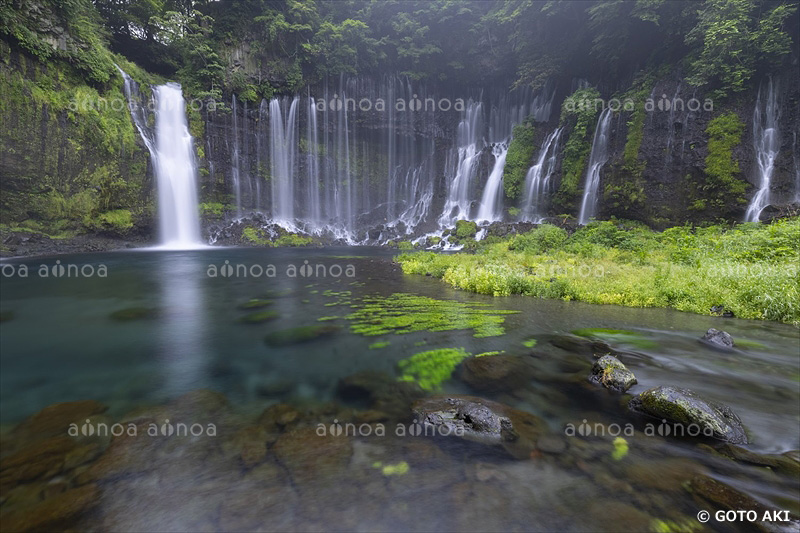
[61, 346]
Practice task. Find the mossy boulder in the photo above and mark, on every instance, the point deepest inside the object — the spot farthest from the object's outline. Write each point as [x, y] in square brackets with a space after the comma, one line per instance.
[609, 372]
[259, 317]
[466, 229]
[134, 313]
[287, 337]
[684, 407]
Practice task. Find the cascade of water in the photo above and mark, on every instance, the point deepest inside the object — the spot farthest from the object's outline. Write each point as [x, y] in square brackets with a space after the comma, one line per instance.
[283, 143]
[176, 171]
[491, 208]
[673, 109]
[766, 144]
[462, 165]
[598, 158]
[314, 213]
[537, 180]
[237, 181]
[172, 154]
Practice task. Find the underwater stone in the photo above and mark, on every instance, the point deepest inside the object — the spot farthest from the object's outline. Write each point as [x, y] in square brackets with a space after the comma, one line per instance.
[259, 317]
[287, 337]
[483, 421]
[255, 303]
[134, 313]
[682, 406]
[495, 372]
[609, 372]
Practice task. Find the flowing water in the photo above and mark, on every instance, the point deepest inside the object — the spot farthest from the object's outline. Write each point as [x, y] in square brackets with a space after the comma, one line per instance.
[64, 344]
[766, 145]
[597, 159]
[537, 179]
[491, 208]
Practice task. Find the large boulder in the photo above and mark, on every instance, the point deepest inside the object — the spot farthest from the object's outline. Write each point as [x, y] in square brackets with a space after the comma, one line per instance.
[682, 406]
[609, 372]
[481, 420]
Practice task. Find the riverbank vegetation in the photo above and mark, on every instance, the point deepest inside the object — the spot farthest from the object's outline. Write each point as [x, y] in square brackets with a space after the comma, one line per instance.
[749, 270]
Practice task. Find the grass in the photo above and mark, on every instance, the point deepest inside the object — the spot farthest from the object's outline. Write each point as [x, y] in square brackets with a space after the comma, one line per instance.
[750, 269]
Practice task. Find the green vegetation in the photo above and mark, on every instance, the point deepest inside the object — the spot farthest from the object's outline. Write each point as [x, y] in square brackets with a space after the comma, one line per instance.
[722, 188]
[378, 345]
[580, 109]
[292, 240]
[255, 303]
[405, 313]
[750, 269]
[405, 245]
[518, 159]
[212, 209]
[430, 369]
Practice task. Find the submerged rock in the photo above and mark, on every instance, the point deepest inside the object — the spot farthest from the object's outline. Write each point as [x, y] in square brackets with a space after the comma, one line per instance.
[718, 339]
[380, 393]
[134, 313]
[609, 372]
[56, 513]
[495, 372]
[255, 303]
[483, 421]
[6, 316]
[259, 317]
[682, 406]
[287, 337]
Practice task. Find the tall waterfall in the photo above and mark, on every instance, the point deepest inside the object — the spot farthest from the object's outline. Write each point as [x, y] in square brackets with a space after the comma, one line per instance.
[312, 167]
[176, 171]
[491, 208]
[463, 165]
[597, 159]
[766, 145]
[537, 180]
[172, 154]
[283, 141]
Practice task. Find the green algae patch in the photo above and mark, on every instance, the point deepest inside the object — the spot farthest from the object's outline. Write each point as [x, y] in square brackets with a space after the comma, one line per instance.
[529, 343]
[255, 303]
[432, 368]
[620, 449]
[134, 313]
[749, 345]
[489, 354]
[392, 470]
[259, 317]
[287, 337]
[617, 336]
[405, 313]
[378, 345]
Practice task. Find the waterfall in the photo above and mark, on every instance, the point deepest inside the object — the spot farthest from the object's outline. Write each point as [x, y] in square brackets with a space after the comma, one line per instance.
[598, 158]
[766, 145]
[171, 150]
[537, 180]
[491, 208]
[463, 165]
[314, 213]
[235, 156]
[283, 141]
[176, 170]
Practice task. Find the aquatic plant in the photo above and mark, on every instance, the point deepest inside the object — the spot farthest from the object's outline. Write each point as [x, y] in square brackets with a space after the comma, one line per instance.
[406, 313]
[286, 337]
[378, 345]
[431, 368]
[620, 449]
[259, 317]
[255, 303]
